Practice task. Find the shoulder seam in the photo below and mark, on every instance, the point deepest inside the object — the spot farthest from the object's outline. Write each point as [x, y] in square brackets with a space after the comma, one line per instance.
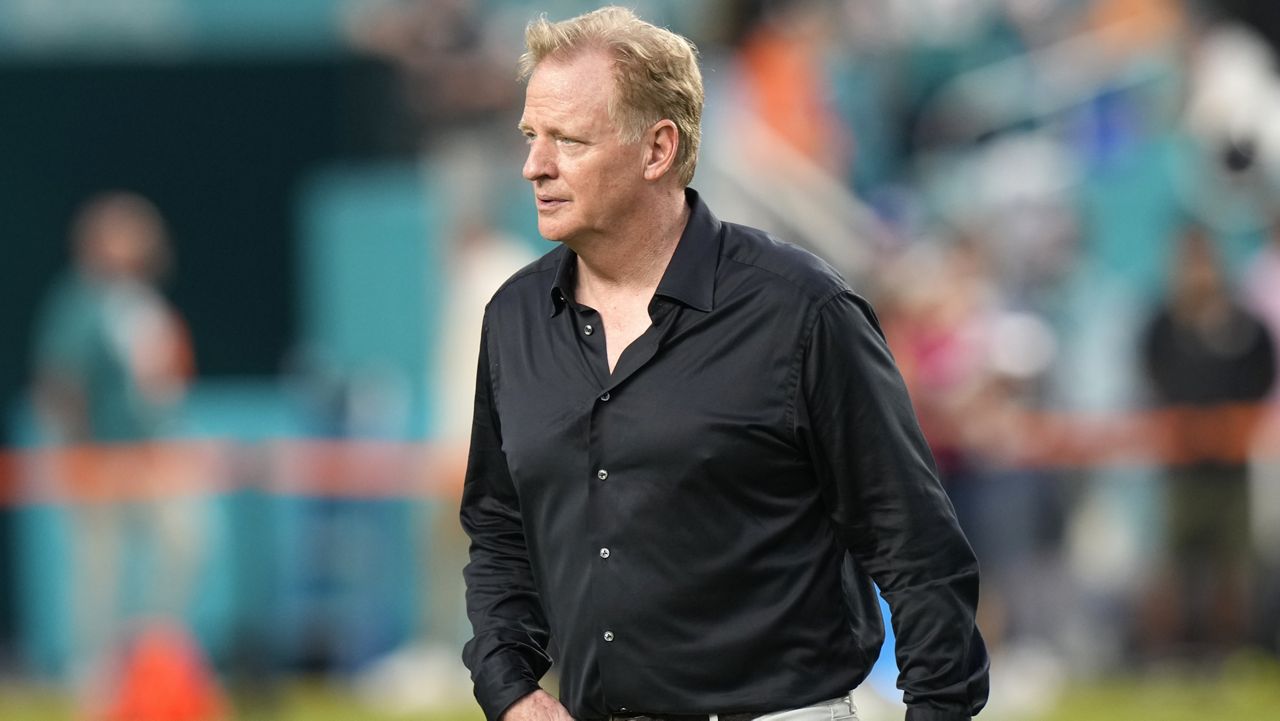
[818, 296]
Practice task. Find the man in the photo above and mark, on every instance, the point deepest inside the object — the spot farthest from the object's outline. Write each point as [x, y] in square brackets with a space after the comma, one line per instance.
[1202, 350]
[691, 450]
[112, 362]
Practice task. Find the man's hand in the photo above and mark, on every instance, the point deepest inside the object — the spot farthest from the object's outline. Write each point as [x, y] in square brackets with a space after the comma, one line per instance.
[537, 706]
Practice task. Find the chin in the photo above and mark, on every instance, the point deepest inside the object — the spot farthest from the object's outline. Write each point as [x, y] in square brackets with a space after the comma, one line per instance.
[553, 232]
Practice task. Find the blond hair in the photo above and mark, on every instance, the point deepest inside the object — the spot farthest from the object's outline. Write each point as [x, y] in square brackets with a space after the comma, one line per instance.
[655, 72]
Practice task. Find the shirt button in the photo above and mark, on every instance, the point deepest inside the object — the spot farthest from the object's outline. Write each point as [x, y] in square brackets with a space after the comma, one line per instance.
[604, 553]
[588, 329]
[605, 397]
[602, 474]
[608, 635]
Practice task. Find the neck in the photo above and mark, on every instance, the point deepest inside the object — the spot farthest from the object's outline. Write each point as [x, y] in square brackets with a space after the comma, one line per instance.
[634, 259]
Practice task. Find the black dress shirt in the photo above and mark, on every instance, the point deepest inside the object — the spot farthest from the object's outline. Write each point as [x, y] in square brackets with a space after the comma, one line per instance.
[698, 530]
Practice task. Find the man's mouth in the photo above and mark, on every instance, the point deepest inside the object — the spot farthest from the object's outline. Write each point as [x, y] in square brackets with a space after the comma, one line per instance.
[547, 202]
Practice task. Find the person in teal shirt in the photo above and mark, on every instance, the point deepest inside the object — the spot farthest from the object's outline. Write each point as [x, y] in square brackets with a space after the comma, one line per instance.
[112, 356]
[112, 361]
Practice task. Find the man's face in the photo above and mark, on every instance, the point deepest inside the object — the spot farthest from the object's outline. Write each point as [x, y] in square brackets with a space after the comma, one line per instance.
[584, 176]
[122, 243]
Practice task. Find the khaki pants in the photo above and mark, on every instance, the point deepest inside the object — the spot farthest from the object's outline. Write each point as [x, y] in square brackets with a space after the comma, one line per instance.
[837, 709]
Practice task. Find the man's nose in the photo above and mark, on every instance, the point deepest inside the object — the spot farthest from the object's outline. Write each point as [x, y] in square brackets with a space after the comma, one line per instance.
[539, 163]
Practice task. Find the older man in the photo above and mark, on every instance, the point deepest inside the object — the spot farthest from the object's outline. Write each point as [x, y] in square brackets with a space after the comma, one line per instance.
[691, 450]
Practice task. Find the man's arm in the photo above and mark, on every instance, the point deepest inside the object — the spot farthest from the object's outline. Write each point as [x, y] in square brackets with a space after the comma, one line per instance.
[889, 509]
[507, 656]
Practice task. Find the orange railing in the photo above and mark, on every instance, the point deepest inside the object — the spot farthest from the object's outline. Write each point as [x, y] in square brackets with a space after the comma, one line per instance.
[377, 469]
[138, 472]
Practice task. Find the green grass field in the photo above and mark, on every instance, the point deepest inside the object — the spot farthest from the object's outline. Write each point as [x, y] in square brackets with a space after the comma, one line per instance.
[1247, 689]
[297, 701]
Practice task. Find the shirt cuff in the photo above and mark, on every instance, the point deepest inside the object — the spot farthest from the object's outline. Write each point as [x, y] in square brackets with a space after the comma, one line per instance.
[932, 713]
[495, 702]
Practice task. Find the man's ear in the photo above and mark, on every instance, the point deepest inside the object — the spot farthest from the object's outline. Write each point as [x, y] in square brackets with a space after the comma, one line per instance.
[660, 144]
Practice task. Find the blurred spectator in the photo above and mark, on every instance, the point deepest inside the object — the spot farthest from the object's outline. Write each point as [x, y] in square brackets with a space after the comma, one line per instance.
[454, 74]
[975, 367]
[455, 62]
[457, 71]
[424, 675]
[777, 155]
[781, 61]
[1134, 26]
[936, 307]
[112, 356]
[112, 362]
[1201, 350]
[479, 259]
[973, 364]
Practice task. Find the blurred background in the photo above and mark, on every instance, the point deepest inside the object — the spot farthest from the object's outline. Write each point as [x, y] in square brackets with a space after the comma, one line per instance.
[247, 246]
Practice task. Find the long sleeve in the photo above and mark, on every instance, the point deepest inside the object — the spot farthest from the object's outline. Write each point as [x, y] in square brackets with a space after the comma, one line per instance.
[888, 508]
[507, 655]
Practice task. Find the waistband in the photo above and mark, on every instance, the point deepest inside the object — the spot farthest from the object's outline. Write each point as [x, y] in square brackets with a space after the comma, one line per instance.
[747, 716]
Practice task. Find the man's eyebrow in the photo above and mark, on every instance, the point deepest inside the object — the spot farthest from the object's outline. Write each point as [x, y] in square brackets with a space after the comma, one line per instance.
[524, 127]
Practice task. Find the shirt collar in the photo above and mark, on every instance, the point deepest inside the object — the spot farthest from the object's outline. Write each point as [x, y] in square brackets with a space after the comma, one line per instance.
[690, 277]
[562, 286]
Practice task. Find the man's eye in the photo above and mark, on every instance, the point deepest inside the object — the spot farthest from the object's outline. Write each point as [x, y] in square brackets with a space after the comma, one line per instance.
[566, 141]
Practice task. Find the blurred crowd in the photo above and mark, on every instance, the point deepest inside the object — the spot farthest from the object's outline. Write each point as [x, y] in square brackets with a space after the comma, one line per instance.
[1066, 213]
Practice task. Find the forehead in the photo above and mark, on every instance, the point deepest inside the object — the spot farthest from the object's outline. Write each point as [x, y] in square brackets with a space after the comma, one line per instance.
[576, 89]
